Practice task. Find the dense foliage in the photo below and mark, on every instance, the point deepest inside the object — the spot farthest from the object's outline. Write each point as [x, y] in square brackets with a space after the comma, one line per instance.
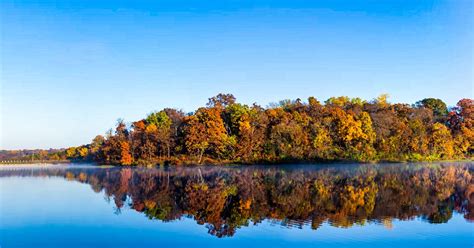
[225, 199]
[341, 128]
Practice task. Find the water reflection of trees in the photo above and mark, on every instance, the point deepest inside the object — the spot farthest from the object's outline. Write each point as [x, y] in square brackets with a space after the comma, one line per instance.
[225, 199]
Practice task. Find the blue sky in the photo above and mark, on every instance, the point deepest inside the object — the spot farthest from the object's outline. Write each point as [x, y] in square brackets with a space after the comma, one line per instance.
[70, 69]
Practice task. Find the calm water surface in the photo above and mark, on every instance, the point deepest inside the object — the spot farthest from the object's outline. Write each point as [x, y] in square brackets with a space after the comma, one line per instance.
[382, 205]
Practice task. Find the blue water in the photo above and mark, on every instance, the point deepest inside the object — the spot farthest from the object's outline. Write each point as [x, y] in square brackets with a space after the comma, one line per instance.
[49, 210]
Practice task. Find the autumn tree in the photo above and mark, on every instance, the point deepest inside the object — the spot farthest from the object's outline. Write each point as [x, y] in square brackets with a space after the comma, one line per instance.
[197, 140]
[441, 141]
[246, 125]
[461, 123]
[162, 131]
[125, 155]
[116, 148]
[221, 100]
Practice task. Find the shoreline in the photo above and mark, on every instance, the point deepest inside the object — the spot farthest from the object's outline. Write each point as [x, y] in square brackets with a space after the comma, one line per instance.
[301, 162]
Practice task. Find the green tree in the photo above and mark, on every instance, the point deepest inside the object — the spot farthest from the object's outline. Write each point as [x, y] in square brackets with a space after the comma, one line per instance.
[438, 107]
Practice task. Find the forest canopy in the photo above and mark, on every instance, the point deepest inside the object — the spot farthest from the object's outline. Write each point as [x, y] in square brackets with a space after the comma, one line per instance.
[339, 129]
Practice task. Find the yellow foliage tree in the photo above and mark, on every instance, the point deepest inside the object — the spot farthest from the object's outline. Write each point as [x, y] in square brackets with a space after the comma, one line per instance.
[442, 143]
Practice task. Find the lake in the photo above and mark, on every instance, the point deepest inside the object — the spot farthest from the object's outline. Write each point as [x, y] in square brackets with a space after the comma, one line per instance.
[323, 205]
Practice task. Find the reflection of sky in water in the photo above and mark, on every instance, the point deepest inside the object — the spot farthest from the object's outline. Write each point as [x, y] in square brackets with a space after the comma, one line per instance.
[53, 212]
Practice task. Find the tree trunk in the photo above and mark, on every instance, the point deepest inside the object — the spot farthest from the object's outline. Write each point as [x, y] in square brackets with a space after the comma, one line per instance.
[200, 156]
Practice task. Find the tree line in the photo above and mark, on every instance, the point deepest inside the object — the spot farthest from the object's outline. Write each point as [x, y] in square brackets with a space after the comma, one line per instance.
[341, 128]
